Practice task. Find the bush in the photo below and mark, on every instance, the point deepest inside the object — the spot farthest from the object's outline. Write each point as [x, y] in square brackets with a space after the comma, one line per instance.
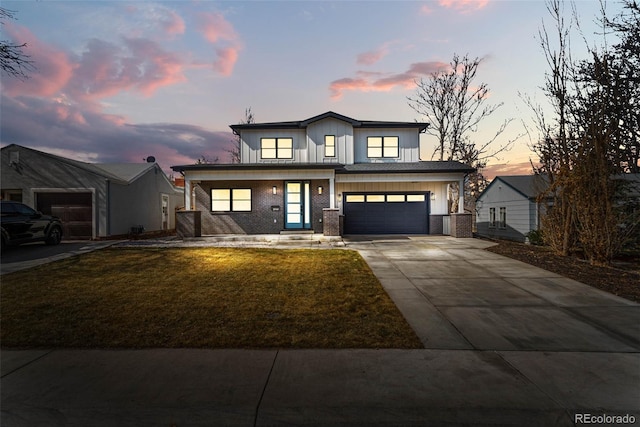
[535, 237]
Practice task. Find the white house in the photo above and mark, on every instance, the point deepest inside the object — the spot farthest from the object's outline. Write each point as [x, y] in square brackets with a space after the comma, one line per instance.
[299, 175]
[93, 200]
[508, 207]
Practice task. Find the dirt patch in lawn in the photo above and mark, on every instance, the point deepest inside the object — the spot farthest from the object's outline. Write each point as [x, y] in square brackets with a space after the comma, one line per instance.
[202, 298]
[623, 279]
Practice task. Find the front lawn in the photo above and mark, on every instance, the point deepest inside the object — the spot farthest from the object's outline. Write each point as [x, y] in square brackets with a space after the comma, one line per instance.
[202, 298]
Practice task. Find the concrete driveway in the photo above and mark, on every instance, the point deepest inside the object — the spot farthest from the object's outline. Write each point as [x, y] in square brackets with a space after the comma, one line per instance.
[505, 344]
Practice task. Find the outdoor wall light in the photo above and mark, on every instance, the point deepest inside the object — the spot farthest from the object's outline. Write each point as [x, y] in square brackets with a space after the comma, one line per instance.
[320, 189]
[274, 190]
[433, 196]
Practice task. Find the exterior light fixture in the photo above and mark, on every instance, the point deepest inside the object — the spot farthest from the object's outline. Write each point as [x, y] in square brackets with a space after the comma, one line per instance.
[320, 189]
[274, 190]
[433, 196]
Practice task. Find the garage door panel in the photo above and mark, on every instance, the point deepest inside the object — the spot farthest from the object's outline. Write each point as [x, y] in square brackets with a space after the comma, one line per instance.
[394, 215]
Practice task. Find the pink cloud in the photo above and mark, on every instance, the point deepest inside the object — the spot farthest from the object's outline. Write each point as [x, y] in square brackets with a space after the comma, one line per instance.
[173, 24]
[426, 10]
[378, 82]
[225, 60]
[140, 65]
[53, 67]
[464, 5]
[493, 170]
[214, 27]
[371, 57]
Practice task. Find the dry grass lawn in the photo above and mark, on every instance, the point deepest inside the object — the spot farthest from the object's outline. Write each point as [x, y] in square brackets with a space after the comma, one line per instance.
[202, 298]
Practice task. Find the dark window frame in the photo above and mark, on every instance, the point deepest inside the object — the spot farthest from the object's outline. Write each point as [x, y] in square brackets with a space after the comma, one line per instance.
[277, 147]
[502, 219]
[334, 146]
[382, 148]
[492, 217]
[231, 200]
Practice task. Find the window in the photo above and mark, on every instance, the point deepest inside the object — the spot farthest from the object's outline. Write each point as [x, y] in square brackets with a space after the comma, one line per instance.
[395, 198]
[415, 197]
[276, 148]
[503, 218]
[382, 146]
[355, 198]
[375, 198]
[329, 145]
[492, 217]
[231, 200]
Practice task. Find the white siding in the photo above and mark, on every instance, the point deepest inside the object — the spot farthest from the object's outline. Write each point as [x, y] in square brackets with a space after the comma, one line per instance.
[344, 141]
[409, 145]
[518, 208]
[250, 152]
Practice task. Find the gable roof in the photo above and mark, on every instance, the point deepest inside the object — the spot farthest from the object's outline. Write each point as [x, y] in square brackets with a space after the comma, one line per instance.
[302, 124]
[529, 186]
[122, 173]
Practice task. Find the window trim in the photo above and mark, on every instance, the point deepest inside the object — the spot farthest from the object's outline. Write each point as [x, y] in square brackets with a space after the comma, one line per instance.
[231, 200]
[277, 148]
[382, 147]
[333, 146]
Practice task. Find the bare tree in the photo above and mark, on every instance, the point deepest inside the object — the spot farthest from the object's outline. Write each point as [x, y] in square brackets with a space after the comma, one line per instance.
[13, 60]
[234, 151]
[454, 106]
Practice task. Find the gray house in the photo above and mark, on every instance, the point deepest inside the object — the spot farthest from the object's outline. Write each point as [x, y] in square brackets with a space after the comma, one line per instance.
[508, 209]
[305, 176]
[93, 200]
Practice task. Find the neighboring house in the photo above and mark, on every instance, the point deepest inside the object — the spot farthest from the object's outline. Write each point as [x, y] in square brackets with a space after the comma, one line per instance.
[298, 175]
[508, 207]
[93, 200]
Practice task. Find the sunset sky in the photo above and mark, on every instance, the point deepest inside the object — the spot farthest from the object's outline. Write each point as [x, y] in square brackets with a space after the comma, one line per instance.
[118, 81]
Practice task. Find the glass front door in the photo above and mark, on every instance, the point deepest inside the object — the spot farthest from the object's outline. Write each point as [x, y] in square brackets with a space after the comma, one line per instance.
[297, 204]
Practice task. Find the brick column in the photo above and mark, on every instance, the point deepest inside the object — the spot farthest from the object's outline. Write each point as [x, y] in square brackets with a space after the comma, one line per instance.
[461, 225]
[188, 224]
[331, 222]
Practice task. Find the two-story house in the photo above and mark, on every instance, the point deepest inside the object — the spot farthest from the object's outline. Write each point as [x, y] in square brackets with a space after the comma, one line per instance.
[300, 175]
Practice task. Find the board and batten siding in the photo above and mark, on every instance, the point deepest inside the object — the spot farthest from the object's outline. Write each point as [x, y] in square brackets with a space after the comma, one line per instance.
[520, 213]
[344, 141]
[408, 144]
[250, 150]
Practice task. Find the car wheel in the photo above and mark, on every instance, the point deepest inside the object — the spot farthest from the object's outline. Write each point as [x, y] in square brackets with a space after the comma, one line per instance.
[55, 235]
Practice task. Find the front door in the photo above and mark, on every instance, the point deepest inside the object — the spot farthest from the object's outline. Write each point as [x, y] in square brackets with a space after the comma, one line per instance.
[297, 206]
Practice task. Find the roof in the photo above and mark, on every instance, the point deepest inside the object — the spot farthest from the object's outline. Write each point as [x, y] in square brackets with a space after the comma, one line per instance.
[301, 124]
[123, 173]
[392, 167]
[529, 186]
[416, 167]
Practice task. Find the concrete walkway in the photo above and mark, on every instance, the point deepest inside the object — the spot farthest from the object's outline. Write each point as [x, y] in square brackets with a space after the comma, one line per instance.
[505, 344]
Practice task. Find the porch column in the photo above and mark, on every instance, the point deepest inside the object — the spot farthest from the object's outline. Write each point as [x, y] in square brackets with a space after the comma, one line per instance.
[332, 193]
[461, 196]
[187, 194]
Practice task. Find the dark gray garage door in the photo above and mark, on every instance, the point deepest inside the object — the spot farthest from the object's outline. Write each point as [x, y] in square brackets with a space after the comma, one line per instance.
[386, 213]
[74, 209]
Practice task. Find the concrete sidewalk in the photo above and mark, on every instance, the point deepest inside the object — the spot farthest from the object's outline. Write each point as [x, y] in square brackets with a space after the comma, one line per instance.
[505, 344]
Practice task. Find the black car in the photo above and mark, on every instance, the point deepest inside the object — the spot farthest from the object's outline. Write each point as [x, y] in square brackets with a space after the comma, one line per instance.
[21, 224]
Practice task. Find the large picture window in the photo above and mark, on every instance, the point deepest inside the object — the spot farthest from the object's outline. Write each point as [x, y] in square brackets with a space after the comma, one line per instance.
[231, 200]
[276, 148]
[382, 146]
[329, 146]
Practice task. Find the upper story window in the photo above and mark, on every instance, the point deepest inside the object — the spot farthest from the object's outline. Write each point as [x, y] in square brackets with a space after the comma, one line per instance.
[382, 146]
[329, 145]
[276, 148]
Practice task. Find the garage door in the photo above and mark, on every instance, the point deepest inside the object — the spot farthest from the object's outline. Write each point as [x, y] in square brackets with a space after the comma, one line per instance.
[386, 213]
[74, 209]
